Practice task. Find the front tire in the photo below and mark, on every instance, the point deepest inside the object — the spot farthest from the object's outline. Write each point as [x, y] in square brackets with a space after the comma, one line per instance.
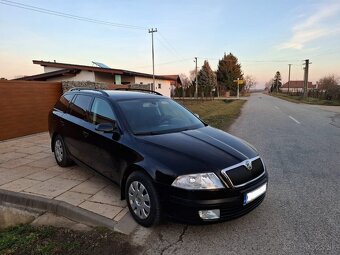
[60, 152]
[142, 199]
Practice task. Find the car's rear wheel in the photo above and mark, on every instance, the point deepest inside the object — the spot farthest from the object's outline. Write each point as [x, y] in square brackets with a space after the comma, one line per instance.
[142, 199]
[60, 152]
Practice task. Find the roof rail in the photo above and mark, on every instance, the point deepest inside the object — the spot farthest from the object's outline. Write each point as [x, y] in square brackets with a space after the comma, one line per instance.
[141, 90]
[84, 88]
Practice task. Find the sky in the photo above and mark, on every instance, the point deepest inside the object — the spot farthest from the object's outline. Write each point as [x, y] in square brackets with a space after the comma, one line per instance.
[265, 35]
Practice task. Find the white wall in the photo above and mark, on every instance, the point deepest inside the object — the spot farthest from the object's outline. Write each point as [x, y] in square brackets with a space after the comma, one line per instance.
[294, 89]
[165, 85]
[82, 76]
[48, 69]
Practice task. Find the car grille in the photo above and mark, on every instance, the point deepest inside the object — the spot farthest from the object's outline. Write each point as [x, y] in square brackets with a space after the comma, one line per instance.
[239, 175]
[238, 210]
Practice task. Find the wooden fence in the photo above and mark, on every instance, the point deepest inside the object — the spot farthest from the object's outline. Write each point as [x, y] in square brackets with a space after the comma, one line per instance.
[24, 106]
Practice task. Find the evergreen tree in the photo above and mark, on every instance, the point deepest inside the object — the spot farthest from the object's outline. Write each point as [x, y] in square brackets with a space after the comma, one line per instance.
[276, 85]
[228, 70]
[206, 78]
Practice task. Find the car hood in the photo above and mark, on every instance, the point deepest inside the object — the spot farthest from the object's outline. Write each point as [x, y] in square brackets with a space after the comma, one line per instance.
[199, 150]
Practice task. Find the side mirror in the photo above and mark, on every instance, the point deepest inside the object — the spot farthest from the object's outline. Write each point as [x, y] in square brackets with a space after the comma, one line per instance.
[106, 127]
[196, 115]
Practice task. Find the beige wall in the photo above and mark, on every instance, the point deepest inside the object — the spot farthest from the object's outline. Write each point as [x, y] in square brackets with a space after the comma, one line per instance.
[165, 85]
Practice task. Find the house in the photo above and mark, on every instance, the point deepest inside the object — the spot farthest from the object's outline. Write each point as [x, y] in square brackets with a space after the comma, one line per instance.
[55, 71]
[296, 86]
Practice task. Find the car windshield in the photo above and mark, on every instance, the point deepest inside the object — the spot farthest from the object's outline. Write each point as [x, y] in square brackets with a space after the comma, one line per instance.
[157, 116]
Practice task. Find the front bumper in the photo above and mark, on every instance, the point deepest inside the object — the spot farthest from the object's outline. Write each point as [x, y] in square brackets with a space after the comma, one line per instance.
[183, 205]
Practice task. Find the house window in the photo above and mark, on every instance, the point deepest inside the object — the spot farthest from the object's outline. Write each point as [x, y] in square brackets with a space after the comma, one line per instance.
[118, 79]
[159, 86]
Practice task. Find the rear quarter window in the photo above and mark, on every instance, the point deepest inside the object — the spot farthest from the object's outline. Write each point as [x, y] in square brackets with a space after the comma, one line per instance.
[80, 106]
[64, 102]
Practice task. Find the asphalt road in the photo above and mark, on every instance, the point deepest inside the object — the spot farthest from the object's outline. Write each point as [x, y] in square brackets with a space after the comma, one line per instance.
[300, 145]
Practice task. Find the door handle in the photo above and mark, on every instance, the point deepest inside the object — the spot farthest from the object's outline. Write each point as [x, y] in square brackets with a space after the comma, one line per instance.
[85, 134]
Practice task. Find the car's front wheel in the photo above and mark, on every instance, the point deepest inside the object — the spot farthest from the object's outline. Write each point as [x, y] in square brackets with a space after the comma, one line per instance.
[142, 199]
[60, 152]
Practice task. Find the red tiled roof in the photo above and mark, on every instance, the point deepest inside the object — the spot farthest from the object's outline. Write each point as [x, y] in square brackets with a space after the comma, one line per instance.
[298, 84]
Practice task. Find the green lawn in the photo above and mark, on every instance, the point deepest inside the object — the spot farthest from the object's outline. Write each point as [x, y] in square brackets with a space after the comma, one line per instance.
[217, 113]
[309, 100]
[25, 239]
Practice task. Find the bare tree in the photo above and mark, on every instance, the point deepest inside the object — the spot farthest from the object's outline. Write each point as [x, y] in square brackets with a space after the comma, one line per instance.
[330, 85]
[184, 80]
[268, 84]
[249, 82]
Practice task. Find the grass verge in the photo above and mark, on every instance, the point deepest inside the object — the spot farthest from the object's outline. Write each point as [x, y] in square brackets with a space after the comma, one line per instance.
[25, 239]
[217, 113]
[309, 100]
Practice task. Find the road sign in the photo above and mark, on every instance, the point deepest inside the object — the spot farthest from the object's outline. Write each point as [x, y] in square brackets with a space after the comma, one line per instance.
[239, 82]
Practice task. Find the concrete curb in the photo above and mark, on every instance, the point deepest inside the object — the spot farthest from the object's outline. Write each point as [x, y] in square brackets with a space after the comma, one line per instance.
[60, 208]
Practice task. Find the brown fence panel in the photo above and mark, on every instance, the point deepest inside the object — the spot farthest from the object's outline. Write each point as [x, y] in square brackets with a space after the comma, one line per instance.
[24, 106]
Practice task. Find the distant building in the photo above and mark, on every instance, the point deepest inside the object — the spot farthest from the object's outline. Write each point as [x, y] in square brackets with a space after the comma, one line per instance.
[296, 86]
[54, 71]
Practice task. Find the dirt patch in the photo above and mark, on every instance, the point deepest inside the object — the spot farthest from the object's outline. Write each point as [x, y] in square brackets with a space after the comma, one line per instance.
[10, 216]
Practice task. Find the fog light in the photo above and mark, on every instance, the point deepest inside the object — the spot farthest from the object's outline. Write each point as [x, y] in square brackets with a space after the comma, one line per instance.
[209, 214]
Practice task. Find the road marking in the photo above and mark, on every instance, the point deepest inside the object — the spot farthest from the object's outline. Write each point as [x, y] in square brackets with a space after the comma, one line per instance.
[277, 107]
[294, 120]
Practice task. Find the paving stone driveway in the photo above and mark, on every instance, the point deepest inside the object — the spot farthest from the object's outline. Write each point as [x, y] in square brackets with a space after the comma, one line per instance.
[27, 165]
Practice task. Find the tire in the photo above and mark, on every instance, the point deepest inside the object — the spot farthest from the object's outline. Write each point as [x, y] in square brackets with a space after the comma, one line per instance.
[60, 152]
[146, 210]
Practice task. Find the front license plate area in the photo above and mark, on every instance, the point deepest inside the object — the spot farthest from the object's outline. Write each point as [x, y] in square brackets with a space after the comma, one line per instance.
[252, 195]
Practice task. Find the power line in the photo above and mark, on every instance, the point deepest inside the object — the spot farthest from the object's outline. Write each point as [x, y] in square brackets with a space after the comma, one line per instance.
[165, 63]
[257, 61]
[70, 16]
[169, 44]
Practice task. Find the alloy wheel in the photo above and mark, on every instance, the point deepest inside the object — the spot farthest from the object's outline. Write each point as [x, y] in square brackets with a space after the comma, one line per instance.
[58, 150]
[139, 199]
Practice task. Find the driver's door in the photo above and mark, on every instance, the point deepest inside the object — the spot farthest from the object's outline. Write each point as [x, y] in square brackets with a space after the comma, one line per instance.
[103, 148]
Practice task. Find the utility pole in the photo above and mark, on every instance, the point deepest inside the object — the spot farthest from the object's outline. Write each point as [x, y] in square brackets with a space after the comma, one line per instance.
[238, 88]
[289, 77]
[305, 85]
[153, 30]
[196, 87]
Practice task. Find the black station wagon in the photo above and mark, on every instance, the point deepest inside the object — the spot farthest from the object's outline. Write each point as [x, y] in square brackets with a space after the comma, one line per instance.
[166, 160]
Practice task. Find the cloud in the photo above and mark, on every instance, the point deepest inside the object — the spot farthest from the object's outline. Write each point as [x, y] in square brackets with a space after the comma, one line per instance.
[312, 27]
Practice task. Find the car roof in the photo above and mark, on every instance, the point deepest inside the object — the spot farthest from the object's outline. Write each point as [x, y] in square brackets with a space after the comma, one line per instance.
[118, 94]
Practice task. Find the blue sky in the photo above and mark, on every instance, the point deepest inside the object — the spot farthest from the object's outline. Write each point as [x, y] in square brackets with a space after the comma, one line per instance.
[265, 35]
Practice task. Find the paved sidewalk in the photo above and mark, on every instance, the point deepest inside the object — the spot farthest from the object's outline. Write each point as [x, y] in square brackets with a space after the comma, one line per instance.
[27, 165]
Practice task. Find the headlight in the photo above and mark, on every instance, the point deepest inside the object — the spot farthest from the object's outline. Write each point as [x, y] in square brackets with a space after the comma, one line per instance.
[198, 181]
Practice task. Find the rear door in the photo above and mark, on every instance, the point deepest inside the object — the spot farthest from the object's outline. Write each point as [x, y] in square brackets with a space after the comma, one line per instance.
[76, 126]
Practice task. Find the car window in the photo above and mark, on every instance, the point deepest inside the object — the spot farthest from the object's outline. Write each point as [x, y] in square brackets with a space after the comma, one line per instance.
[63, 102]
[80, 105]
[157, 116]
[101, 112]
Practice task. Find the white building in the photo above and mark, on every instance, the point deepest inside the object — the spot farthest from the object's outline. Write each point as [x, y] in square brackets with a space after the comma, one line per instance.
[54, 71]
[296, 86]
